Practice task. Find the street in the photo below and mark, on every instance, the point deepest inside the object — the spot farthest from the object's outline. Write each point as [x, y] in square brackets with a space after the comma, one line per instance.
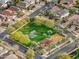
[12, 43]
[67, 49]
[43, 8]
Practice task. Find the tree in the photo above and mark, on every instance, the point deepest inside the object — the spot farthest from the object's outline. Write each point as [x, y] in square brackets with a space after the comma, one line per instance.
[76, 55]
[42, 20]
[33, 44]
[21, 22]
[19, 36]
[77, 1]
[77, 4]
[17, 1]
[11, 3]
[38, 20]
[64, 56]
[49, 23]
[20, 14]
[18, 24]
[72, 10]
[25, 20]
[24, 39]
[16, 35]
[30, 54]
[10, 29]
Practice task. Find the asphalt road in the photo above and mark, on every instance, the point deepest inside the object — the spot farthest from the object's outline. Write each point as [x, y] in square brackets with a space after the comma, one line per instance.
[64, 49]
[12, 43]
[23, 49]
[43, 8]
[3, 34]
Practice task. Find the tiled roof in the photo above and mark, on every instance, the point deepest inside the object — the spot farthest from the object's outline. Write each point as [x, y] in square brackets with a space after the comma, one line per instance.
[62, 12]
[55, 8]
[1, 11]
[13, 8]
[12, 56]
[1, 4]
[8, 13]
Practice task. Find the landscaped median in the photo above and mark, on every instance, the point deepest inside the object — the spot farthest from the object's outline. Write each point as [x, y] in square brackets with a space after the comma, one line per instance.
[38, 33]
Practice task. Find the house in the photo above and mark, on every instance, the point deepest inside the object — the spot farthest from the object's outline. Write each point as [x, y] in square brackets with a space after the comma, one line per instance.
[55, 8]
[14, 9]
[2, 18]
[55, 1]
[1, 11]
[12, 56]
[9, 14]
[46, 41]
[9, 17]
[7, 52]
[27, 3]
[68, 3]
[59, 12]
[63, 13]
[23, 4]
[2, 5]
[4, 1]
[74, 24]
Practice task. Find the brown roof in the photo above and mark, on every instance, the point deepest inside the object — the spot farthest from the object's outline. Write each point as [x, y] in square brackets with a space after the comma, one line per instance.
[55, 8]
[13, 8]
[1, 4]
[67, 1]
[74, 17]
[1, 11]
[8, 13]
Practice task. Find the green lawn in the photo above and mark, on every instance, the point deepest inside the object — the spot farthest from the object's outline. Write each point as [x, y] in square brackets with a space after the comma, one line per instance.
[76, 55]
[41, 31]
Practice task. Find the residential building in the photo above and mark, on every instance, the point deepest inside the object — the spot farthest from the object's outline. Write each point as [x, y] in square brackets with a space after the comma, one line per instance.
[7, 17]
[55, 8]
[59, 12]
[4, 1]
[12, 56]
[63, 13]
[2, 5]
[55, 1]
[27, 3]
[68, 3]
[73, 26]
[9, 14]
[23, 4]
[2, 18]
[7, 52]
[14, 9]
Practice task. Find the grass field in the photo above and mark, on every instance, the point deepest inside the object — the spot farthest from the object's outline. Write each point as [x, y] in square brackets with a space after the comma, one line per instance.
[76, 54]
[41, 31]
